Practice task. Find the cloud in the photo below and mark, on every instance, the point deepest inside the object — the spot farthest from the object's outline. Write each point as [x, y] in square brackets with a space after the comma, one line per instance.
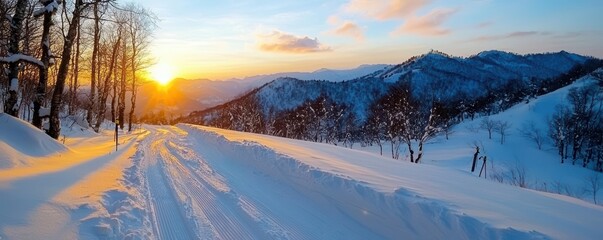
[345, 28]
[385, 9]
[427, 25]
[484, 24]
[518, 34]
[287, 43]
[568, 35]
[350, 29]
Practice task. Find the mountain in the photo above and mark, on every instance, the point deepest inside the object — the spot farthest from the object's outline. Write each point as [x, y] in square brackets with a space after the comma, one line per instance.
[321, 74]
[483, 78]
[486, 83]
[184, 96]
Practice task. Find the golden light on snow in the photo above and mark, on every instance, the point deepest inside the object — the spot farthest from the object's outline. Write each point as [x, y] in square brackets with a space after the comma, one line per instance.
[162, 73]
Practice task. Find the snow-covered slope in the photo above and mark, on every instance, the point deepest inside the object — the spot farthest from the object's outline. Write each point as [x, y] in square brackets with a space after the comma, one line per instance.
[192, 182]
[287, 93]
[398, 199]
[541, 167]
[19, 141]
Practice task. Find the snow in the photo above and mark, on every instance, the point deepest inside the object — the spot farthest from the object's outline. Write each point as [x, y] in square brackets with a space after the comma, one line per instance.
[44, 112]
[14, 84]
[192, 182]
[30, 141]
[21, 57]
[453, 199]
[432, 76]
[49, 7]
[543, 169]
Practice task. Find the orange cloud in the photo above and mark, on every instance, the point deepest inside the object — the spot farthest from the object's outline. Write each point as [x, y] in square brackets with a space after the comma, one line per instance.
[350, 29]
[427, 25]
[287, 43]
[385, 9]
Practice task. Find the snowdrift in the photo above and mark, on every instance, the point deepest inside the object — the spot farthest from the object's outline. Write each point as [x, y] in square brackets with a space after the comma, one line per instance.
[402, 200]
[19, 139]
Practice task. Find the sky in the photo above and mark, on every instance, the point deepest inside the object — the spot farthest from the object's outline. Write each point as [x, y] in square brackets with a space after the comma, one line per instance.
[223, 39]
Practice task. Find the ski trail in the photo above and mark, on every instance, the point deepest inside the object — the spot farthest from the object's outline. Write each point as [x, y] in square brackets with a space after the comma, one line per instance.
[168, 219]
[190, 199]
[214, 187]
[222, 214]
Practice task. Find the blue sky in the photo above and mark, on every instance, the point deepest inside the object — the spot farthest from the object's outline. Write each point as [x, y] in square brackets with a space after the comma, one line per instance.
[227, 38]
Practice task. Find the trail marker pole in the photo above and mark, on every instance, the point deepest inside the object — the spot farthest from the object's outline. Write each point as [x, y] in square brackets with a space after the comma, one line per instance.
[475, 158]
[484, 168]
[116, 135]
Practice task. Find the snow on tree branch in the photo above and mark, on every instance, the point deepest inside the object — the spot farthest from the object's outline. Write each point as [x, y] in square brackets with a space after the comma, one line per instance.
[50, 6]
[21, 58]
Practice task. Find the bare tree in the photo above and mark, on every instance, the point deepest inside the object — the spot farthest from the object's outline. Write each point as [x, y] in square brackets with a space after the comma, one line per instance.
[121, 100]
[532, 132]
[447, 129]
[57, 95]
[559, 130]
[94, 63]
[104, 92]
[488, 125]
[140, 27]
[593, 183]
[429, 131]
[74, 81]
[49, 7]
[518, 176]
[16, 25]
[502, 127]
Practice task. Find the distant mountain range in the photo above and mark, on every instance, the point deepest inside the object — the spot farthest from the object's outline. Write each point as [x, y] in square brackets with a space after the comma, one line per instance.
[184, 96]
[488, 82]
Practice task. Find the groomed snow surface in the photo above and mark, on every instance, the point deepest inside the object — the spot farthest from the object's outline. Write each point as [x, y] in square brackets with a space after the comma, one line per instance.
[192, 182]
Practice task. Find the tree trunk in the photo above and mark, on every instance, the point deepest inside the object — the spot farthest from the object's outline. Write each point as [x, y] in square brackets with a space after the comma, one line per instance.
[121, 102]
[475, 159]
[76, 70]
[92, 96]
[113, 98]
[561, 148]
[411, 152]
[10, 105]
[43, 78]
[420, 152]
[134, 87]
[105, 91]
[55, 107]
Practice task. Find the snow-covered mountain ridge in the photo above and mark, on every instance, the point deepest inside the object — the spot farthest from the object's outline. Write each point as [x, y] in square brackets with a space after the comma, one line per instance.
[489, 81]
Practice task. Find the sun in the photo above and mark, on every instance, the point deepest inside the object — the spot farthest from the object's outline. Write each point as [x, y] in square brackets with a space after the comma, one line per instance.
[162, 73]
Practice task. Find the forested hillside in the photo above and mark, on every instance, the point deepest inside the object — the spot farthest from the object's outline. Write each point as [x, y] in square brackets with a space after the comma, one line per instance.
[403, 104]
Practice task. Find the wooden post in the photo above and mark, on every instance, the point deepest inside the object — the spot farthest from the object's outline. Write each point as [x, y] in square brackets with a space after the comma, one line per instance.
[484, 168]
[475, 158]
[116, 134]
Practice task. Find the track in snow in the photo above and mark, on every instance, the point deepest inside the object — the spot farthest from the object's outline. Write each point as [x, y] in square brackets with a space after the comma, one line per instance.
[191, 200]
[168, 219]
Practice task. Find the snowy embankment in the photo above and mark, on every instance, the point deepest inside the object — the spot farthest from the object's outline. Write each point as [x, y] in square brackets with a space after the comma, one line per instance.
[20, 141]
[541, 167]
[395, 199]
[50, 191]
[192, 182]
